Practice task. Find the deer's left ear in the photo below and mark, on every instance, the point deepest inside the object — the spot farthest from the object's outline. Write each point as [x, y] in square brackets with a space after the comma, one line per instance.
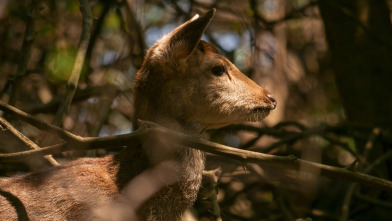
[185, 38]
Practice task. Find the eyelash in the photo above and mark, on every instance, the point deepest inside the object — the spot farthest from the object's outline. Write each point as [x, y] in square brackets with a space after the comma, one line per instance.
[218, 70]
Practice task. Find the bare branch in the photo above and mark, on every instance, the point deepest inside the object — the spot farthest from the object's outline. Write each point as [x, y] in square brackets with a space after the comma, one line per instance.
[374, 201]
[83, 143]
[24, 139]
[107, 5]
[18, 156]
[79, 61]
[292, 15]
[18, 134]
[149, 130]
[35, 122]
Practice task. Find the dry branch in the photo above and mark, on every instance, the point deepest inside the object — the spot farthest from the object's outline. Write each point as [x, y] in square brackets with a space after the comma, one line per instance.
[8, 109]
[18, 134]
[79, 61]
[149, 130]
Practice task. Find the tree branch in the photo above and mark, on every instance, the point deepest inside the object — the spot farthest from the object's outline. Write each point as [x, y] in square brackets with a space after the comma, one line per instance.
[35, 122]
[79, 61]
[149, 130]
[18, 134]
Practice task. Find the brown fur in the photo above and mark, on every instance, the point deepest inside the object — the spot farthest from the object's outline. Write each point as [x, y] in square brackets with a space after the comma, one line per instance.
[175, 88]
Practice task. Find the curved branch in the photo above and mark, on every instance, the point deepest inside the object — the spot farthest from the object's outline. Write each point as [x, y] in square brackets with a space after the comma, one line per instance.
[83, 143]
[149, 130]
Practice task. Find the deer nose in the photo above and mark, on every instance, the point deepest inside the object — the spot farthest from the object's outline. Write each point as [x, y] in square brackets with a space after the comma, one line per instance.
[273, 100]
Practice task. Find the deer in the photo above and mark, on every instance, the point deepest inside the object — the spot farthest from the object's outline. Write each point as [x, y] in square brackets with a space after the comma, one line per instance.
[184, 84]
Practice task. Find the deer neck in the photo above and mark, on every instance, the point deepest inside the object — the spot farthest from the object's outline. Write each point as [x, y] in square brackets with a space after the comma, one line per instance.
[189, 161]
[162, 149]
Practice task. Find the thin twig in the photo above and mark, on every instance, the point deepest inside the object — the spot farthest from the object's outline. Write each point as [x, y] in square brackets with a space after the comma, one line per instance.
[35, 122]
[289, 16]
[373, 200]
[342, 144]
[292, 137]
[262, 131]
[18, 134]
[276, 191]
[23, 138]
[106, 6]
[354, 186]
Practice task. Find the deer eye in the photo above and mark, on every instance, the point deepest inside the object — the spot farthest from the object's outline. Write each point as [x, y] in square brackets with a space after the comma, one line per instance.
[218, 70]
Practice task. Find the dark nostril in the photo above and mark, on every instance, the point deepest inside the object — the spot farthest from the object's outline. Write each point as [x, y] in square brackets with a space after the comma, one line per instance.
[272, 100]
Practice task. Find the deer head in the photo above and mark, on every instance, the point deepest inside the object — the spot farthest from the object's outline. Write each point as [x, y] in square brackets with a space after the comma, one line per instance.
[186, 79]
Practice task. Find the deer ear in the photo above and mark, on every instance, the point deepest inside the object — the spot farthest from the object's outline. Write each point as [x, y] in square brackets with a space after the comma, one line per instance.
[185, 38]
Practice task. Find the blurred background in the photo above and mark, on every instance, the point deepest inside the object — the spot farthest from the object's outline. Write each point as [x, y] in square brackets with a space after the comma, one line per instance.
[327, 62]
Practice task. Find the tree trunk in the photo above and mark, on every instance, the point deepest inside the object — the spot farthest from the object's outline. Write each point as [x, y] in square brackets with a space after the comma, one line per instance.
[359, 35]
